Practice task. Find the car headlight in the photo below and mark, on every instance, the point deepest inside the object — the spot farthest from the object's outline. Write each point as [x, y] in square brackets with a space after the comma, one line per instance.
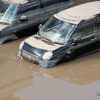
[21, 45]
[48, 55]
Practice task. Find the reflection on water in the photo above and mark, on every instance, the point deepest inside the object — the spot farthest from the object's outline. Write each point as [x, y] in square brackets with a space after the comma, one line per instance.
[13, 76]
[81, 71]
[21, 80]
[74, 80]
[55, 89]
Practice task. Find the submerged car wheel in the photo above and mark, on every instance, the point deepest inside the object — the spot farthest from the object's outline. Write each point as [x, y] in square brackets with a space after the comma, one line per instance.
[48, 64]
[8, 38]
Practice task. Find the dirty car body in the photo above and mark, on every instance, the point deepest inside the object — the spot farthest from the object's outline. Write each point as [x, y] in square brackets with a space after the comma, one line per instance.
[64, 36]
[18, 16]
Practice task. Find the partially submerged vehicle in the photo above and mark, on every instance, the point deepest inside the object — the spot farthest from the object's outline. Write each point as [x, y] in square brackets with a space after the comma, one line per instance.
[65, 35]
[18, 15]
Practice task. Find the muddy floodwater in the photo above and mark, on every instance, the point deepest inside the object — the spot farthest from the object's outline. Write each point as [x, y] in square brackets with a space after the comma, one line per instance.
[75, 80]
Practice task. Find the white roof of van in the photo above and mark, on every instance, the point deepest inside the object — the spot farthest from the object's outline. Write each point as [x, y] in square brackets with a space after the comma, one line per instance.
[82, 12]
[16, 1]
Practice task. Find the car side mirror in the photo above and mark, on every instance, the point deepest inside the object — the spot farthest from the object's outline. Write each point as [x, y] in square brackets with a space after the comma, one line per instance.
[24, 18]
[77, 39]
[40, 26]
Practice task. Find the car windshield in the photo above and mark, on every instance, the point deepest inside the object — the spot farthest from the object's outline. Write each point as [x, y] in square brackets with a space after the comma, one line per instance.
[57, 30]
[7, 12]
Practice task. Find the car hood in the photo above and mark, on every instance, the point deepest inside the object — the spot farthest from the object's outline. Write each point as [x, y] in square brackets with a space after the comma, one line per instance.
[38, 43]
[3, 26]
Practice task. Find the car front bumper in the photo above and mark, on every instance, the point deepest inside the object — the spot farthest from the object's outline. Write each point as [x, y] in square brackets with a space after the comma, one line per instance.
[34, 59]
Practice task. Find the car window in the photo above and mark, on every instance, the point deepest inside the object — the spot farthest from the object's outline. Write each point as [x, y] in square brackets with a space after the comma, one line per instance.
[64, 1]
[51, 9]
[78, 32]
[3, 7]
[88, 30]
[9, 15]
[32, 12]
[36, 7]
[49, 2]
[98, 25]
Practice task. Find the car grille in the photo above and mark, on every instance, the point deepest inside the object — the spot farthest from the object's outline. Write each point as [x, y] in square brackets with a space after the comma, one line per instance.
[30, 57]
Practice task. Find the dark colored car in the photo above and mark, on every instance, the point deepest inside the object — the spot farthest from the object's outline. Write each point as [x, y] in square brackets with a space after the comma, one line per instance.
[16, 16]
[66, 35]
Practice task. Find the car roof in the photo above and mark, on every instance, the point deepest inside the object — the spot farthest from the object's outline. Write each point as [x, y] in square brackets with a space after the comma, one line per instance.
[82, 12]
[16, 1]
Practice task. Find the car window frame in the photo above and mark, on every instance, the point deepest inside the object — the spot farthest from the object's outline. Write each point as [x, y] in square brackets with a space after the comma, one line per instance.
[80, 29]
[85, 24]
[97, 22]
[29, 11]
[29, 5]
[49, 3]
[77, 32]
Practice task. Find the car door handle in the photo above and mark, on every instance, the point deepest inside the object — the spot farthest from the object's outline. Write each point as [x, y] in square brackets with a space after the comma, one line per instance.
[93, 38]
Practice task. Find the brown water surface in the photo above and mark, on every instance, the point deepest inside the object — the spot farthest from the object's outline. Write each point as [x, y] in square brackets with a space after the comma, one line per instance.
[74, 80]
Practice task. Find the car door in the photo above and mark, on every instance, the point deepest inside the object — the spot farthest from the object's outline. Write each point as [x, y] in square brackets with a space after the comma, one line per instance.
[89, 38]
[49, 8]
[29, 16]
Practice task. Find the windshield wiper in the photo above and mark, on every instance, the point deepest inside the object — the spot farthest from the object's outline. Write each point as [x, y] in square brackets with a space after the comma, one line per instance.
[52, 42]
[57, 42]
[46, 38]
[4, 23]
[43, 38]
[37, 37]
